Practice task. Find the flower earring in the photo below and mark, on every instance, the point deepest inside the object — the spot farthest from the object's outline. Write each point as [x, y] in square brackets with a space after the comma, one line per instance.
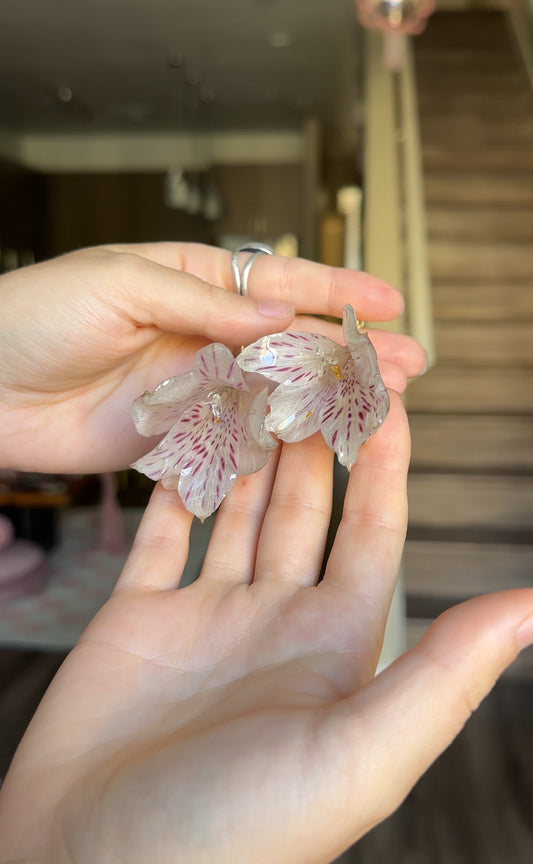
[215, 428]
[321, 386]
[222, 419]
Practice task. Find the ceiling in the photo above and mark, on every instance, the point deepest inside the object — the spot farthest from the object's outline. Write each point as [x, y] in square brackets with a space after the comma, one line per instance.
[150, 65]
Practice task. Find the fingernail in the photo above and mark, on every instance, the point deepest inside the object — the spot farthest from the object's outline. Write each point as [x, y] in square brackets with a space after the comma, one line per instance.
[275, 309]
[524, 634]
[426, 365]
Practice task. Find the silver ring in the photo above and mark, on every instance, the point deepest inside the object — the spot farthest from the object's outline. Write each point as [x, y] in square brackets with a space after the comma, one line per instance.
[257, 249]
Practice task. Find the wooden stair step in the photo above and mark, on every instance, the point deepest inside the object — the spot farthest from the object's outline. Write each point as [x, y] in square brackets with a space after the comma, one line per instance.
[449, 261]
[452, 81]
[506, 110]
[471, 442]
[483, 39]
[472, 133]
[464, 388]
[477, 57]
[485, 343]
[478, 222]
[470, 502]
[505, 158]
[479, 103]
[479, 188]
[487, 301]
[447, 75]
[465, 27]
[461, 570]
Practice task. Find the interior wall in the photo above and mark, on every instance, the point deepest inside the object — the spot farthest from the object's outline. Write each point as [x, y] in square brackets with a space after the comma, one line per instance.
[260, 201]
[91, 209]
[22, 208]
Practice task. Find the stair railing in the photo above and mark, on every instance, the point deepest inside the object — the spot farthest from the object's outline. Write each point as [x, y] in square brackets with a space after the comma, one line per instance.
[394, 227]
[521, 17]
[394, 224]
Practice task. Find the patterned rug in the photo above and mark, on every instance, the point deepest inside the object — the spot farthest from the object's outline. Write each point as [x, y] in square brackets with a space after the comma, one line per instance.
[80, 579]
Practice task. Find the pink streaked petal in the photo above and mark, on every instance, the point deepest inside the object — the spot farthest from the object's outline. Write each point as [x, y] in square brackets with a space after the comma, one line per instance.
[233, 451]
[289, 357]
[209, 446]
[357, 414]
[216, 365]
[155, 464]
[204, 493]
[180, 445]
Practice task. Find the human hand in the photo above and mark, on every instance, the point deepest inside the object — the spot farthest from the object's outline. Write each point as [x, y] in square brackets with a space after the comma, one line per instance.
[84, 334]
[238, 719]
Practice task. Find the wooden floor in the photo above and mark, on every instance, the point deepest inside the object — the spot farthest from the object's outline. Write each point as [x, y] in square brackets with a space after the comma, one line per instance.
[474, 805]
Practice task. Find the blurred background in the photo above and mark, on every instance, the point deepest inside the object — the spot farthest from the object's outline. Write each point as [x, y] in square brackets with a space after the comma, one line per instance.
[390, 135]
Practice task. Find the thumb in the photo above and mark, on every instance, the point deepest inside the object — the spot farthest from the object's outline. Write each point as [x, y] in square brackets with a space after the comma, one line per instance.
[178, 302]
[413, 710]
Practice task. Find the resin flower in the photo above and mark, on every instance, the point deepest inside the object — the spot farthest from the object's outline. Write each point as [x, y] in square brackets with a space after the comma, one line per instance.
[214, 420]
[322, 385]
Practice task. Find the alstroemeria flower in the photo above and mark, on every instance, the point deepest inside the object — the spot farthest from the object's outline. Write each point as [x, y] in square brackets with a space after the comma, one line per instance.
[214, 422]
[322, 385]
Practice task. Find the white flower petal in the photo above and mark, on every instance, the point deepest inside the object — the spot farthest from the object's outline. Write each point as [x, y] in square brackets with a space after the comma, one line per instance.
[295, 358]
[155, 413]
[350, 330]
[294, 411]
[256, 441]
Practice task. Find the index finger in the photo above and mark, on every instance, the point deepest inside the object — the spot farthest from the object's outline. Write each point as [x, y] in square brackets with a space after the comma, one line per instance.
[308, 286]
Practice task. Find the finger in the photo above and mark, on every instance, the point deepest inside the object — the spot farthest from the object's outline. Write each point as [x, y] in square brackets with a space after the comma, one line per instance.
[398, 348]
[178, 302]
[291, 547]
[232, 550]
[413, 710]
[403, 350]
[161, 546]
[366, 554]
[394, 376]
[306, 285]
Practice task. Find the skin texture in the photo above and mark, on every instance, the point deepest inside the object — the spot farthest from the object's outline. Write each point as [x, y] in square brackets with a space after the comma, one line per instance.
[238, 719]
[85, 334]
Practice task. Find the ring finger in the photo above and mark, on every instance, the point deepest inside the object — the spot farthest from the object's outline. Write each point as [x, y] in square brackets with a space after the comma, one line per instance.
[295, 527]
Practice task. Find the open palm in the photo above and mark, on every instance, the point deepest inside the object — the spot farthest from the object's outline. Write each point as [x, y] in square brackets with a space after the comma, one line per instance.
[238, 719]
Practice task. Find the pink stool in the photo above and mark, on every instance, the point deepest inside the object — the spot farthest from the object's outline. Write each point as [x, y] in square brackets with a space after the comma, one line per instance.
[22, 565]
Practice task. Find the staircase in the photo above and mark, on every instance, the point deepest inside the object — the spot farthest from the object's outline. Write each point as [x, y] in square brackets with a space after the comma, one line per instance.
[471, 480]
